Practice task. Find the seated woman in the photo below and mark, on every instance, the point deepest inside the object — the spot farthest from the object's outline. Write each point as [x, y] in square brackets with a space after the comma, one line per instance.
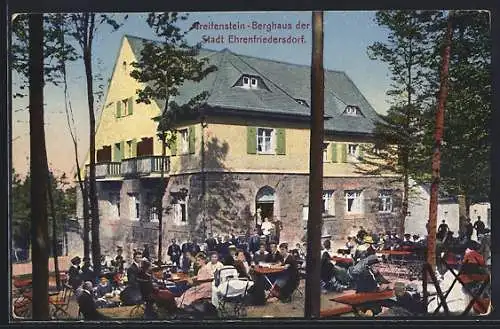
[241, 265]
[201, 290]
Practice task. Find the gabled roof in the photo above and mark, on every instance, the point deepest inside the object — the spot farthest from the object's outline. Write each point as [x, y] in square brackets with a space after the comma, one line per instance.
[286, 83]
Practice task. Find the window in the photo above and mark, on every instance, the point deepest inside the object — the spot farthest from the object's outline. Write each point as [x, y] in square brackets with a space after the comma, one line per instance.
[385, 201]
[265, 140]
[153, 214]
[328, 203]
[253, 83]
[114, 200]
[305, 212]
[352, 149]
[125, 107]
[352, 110]
[325, 152]
[134, 207]
[354, 204]
[301, 102]
[246, 82]
[130, 149]
[180, 211]
[184, 142]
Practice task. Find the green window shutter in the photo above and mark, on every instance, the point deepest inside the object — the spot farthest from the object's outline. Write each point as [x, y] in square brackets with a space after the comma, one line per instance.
[333, 152]
[360, 157]
[192, 139]
[281, 141]
[118, 109]
[134, 148]
[173, 147]
[122, 150]
[130, 105]
[343, 153]
[251, 140]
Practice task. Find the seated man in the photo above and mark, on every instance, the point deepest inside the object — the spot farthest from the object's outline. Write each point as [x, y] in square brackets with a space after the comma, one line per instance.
[87, 303]
[274, 256]
[261, 255]
[333, 278]
[289, 281]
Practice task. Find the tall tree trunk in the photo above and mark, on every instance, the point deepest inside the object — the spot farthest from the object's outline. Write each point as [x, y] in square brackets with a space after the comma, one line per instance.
[54, 230]
[38, 168]
[159, 196]
[86, 218]
[94, 205]
[314, 223]
[438, 137]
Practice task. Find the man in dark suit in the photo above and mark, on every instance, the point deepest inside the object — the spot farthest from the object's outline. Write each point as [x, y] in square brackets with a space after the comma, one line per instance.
[118, 262]
[290, 279]
[87, 271]
[74, 272]
[261, 255]
[174, 252]
[211, 243]
[254, 241]
[274, 256]
[133, 270]
[87, 305]
[145, 252]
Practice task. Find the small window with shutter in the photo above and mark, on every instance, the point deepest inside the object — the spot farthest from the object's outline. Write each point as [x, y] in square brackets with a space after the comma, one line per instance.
[125, 107]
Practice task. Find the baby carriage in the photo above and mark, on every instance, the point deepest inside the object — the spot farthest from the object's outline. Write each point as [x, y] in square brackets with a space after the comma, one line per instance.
[228, 289]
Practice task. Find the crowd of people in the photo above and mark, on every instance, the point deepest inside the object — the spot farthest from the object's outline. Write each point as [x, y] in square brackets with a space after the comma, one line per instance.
[148, 281]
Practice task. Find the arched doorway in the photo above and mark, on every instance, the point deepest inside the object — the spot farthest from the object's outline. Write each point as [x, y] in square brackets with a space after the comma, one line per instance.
[265, 200]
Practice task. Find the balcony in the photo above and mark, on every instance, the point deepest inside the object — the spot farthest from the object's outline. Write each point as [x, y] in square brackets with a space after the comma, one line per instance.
[129, 167]
[105, 170]
[147, 165]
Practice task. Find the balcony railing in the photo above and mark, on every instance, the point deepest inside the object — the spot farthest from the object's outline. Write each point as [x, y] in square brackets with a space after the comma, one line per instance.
[105, 169]
[151, 164]
[141, 166]
[129, 167]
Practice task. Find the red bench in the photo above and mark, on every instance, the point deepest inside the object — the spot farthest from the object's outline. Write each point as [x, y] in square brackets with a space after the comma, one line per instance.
[339, 310]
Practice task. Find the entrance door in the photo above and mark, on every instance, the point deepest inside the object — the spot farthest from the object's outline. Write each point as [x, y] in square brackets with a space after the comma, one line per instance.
[264, 201]
[266, 208]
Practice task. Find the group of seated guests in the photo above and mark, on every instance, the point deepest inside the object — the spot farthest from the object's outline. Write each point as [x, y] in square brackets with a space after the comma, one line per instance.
[151, 282]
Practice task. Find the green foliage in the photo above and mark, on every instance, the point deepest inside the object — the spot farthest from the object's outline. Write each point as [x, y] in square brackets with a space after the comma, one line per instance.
[54, 29]
[164, 67]
[413, 52]
[465, 160]
[64, 204]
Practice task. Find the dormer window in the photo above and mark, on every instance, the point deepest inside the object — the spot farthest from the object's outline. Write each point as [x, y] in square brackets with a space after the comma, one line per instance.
[352, 110]
[246, 82]
[250, 82]
[301, 102]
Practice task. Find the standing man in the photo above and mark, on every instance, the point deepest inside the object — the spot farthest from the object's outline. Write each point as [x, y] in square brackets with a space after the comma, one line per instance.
[145, 253]
[174, 252]
[211, 243]
[254, 241]
[442, 230]
[469, 229]
[74, 273]
[266, 227]
[134, 270]
[118, 262]
[479, 227]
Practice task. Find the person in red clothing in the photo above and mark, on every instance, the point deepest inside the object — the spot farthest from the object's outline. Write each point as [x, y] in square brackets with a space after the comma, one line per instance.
[474, 263]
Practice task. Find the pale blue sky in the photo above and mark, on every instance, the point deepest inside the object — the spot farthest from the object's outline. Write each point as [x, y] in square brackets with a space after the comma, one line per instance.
[346, 38]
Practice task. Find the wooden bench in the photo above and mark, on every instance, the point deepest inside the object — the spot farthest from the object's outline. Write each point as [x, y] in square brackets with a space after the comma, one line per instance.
[336, 311]
[360, 299]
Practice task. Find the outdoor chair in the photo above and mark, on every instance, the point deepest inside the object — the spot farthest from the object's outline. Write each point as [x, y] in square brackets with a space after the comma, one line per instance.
[60, 302]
